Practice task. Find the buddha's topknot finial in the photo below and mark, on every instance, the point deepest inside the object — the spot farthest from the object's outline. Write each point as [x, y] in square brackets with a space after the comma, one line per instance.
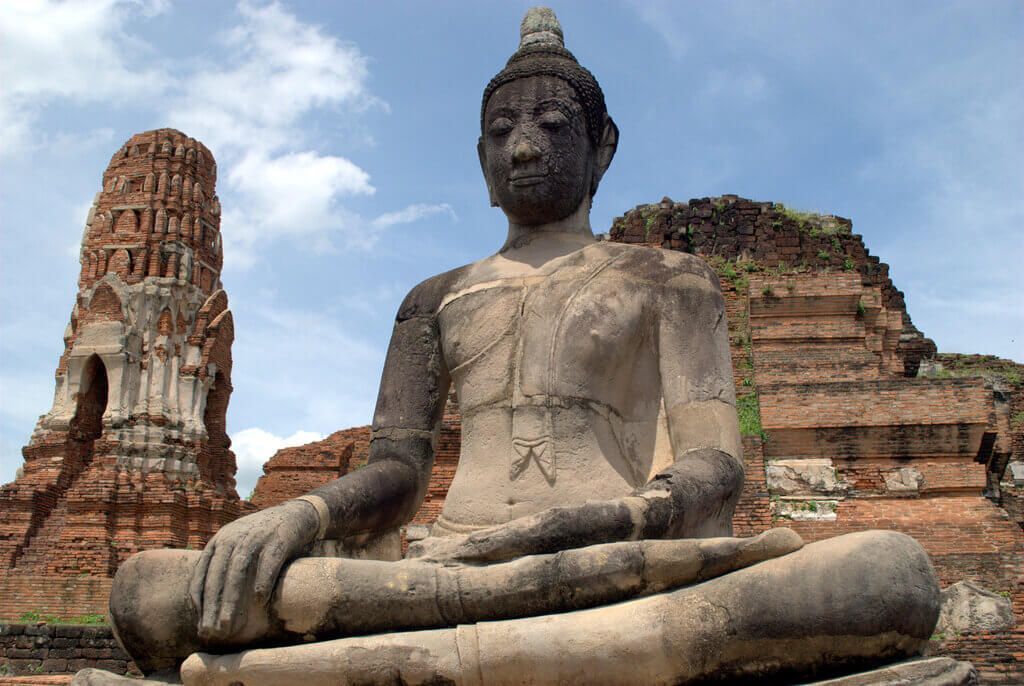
[540, 25]
[542, 52]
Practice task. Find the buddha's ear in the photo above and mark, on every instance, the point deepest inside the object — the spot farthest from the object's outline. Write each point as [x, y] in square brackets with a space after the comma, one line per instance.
[606, 147]
[483, 167]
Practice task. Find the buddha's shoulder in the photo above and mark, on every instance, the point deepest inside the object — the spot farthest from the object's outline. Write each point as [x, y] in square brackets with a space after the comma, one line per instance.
[424, 300]
[646, 264]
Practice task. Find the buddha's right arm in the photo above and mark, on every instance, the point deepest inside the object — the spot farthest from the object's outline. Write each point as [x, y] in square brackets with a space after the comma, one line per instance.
[245, 558]
[414, 387]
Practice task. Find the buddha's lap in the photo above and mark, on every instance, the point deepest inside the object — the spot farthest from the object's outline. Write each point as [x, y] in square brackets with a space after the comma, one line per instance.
[862, 584]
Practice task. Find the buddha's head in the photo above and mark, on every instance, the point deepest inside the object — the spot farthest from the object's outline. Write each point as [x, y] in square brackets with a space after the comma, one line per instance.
[546, 137]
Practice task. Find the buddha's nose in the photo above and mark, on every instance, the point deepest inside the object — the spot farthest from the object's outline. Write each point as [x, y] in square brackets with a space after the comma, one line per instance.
[524, 151]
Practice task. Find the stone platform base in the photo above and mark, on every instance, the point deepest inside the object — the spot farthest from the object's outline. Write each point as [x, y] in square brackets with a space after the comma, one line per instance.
[933, 671]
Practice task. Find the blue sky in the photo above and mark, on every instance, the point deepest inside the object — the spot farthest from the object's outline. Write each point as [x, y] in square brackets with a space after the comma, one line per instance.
[345, 138]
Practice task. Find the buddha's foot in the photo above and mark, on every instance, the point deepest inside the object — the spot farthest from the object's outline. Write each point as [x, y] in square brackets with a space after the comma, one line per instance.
[935, 671]
[101, 677]
[840, 604]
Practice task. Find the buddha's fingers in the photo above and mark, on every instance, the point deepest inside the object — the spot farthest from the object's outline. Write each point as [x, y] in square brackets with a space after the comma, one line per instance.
[675, 563]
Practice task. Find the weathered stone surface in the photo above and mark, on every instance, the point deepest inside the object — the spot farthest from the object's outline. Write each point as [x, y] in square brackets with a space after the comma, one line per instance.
[904, 479]
[813, 476]
[968, 608]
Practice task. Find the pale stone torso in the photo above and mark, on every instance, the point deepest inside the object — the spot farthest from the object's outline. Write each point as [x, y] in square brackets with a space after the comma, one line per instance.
[556, 371]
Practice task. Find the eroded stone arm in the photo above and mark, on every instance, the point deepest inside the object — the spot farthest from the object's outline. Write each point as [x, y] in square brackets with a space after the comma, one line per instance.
[414, 386]
[697, 495]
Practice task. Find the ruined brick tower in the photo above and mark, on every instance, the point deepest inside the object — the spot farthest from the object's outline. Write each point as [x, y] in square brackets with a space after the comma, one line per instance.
[133, 454]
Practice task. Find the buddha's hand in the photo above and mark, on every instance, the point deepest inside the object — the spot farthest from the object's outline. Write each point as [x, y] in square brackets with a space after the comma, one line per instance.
[453, 548]
[240, 565]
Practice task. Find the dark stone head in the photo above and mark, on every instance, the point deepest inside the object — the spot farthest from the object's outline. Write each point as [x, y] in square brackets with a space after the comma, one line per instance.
[546, 135]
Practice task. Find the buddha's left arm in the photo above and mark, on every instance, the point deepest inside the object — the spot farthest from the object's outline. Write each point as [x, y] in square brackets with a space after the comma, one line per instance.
[696, 495]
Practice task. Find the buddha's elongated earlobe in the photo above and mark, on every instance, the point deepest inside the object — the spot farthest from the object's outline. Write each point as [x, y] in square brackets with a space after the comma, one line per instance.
[483, 167]
[606, 147]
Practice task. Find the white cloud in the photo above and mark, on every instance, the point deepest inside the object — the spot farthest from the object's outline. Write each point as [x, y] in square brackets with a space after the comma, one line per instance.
[295, 195]
[277, 70]
[413, 213]
[249, 106]
[253, 447]
[73, 50]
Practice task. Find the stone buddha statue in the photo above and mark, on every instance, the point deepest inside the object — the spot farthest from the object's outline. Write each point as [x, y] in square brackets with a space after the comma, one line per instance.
[586, 536]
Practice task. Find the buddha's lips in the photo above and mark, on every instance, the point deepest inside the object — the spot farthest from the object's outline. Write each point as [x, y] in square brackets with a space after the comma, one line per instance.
[527, 179]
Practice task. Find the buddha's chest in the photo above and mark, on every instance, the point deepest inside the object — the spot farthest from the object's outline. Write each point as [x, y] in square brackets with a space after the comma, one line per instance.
[567, 334]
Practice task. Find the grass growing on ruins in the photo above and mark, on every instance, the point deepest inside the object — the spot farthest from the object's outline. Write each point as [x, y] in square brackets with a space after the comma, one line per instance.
[728, 272]
[813, 223]
[748, 408]
[989, 367]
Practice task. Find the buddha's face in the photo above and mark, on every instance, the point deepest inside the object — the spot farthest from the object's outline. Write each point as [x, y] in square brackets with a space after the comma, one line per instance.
[535, 152]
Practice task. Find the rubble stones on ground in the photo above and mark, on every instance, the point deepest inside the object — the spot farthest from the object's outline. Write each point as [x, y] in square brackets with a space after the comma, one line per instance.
[969, 608]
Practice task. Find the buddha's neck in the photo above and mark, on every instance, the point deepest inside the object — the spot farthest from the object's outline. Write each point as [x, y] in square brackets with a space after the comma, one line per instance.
[573, 229]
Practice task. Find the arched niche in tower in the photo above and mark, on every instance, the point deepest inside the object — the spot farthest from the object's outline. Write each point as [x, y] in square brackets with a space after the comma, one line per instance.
[120, 263]
[91, 403]
[105, 305]
[176, 184]
[161, 185]
[165, 323]
[138, 263]
[147, 185]
[126, 222]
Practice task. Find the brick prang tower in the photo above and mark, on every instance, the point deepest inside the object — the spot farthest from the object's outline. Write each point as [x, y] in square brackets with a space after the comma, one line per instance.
[134, 452]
